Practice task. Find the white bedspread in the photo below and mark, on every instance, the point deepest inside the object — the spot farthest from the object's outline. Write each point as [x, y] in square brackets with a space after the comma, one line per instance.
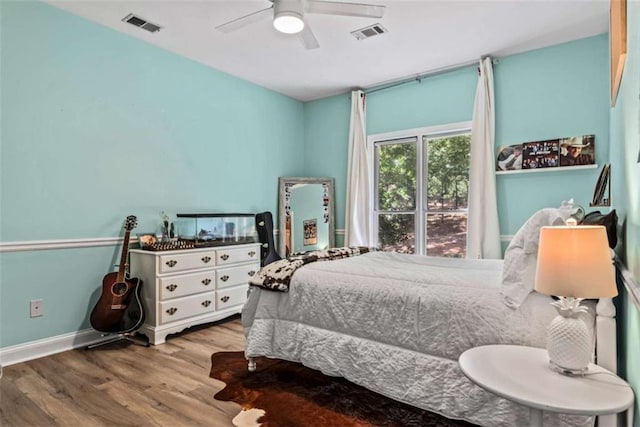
[397, 324]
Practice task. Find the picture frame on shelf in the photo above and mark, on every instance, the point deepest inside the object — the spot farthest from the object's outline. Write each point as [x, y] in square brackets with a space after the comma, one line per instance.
[546, 155]
[602, 188]
[147, 239]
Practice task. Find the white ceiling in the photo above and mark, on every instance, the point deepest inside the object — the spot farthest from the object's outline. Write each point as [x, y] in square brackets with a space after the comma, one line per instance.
[424, 35]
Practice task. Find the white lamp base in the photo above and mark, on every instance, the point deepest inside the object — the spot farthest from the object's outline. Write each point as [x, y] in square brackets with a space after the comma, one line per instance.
[569, 345]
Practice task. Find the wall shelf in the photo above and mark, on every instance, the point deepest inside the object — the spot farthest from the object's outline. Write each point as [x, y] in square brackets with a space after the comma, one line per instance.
[553, 169]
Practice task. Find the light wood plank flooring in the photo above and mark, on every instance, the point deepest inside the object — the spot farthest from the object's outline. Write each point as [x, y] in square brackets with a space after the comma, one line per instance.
[124, 384]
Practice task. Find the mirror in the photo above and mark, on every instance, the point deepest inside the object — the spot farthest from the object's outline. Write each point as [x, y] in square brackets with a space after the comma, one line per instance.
[306, 214]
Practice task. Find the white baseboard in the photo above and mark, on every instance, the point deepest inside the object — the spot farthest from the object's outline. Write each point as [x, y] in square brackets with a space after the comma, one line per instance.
[48, 346]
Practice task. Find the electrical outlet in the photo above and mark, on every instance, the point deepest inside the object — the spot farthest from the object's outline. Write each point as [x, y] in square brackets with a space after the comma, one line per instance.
[36, 307]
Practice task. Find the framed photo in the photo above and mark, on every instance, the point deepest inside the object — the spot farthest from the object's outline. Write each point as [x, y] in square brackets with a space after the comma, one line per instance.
[547, 154]
[147, 239]
[509, 158]
[310, 231]
[578, 151]
[618, 44]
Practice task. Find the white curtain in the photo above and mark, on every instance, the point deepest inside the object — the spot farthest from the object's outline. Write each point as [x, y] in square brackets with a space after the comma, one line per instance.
[483, 231]
[357, 210]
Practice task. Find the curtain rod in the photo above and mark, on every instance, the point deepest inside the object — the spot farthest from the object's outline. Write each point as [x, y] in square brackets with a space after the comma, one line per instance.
[381, 86]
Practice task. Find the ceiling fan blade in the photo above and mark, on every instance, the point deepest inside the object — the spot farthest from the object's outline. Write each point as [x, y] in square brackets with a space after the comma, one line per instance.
[238, 23]
[308, 39]
[348, 9]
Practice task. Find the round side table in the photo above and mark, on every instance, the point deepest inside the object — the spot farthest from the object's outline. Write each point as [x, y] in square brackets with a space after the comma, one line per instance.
[523, 375]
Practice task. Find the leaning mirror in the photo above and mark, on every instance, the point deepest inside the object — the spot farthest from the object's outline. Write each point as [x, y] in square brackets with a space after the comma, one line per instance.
[306, 214]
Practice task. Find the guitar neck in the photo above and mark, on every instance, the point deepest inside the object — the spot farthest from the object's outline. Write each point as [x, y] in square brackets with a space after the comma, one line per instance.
[123, 257]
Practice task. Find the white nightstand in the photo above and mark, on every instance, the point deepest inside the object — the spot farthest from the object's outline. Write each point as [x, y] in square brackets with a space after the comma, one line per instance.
[523, 375]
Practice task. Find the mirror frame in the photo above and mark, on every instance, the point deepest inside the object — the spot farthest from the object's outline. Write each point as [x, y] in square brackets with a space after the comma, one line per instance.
[283, 183]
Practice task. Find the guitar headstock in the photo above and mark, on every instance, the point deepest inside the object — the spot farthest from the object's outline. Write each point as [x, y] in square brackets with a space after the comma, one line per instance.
[130, 223]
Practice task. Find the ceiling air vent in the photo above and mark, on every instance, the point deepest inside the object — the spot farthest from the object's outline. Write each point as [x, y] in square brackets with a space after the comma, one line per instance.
[139, 22]
[370, 31]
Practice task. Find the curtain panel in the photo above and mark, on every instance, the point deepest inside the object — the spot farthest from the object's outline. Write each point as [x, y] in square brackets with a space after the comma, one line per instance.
[358, 207]
[483, 230]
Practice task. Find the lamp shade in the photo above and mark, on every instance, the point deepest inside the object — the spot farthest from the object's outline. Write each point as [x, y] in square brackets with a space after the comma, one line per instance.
[575, 261]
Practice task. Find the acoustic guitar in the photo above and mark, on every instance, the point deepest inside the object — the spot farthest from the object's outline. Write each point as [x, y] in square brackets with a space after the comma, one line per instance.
[119, 309]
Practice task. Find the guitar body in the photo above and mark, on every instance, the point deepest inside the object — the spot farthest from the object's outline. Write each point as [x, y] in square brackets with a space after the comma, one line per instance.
[119, 309]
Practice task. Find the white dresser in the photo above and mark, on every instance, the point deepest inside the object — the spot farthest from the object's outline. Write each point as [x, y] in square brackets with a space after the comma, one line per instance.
[193, 286]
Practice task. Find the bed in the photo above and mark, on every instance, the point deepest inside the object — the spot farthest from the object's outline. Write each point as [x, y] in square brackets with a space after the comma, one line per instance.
[397, 323]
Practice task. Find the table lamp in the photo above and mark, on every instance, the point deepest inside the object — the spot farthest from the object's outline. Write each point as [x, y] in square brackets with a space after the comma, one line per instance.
[574, 263]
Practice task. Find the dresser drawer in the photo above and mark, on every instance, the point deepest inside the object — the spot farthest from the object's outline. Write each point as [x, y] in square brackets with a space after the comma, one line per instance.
[181, 308]
[186, 284]
[181, 262]
[229, 297]
[230, 256]
[236, 275]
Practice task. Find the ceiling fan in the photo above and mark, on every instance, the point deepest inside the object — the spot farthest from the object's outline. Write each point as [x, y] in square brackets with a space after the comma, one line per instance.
[288, 16]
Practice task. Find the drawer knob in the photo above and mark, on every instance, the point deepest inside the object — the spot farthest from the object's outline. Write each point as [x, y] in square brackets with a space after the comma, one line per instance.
[252, 254]
[224, 278]
[224, 257]
[172, 311]
[206, 303]
[224, 298]
[171, 263]
[172, 287]
[206, 281]
[251, 273]
[206, 259]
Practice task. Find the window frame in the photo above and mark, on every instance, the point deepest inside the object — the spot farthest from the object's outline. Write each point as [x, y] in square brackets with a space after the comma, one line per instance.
[420, 211]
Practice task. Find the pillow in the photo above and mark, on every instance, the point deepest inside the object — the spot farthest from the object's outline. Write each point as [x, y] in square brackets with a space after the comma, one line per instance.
[520, 258]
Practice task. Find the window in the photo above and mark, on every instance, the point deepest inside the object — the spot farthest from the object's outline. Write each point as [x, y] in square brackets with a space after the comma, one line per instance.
[421, 183]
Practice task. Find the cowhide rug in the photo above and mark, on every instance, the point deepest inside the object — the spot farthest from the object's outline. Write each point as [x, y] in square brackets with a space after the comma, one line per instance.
[287, 394]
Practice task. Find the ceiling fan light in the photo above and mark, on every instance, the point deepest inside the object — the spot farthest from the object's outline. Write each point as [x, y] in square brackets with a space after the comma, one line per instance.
[288, 22]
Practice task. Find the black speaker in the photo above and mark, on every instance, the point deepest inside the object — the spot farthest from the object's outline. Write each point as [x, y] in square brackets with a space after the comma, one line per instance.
[264, 226]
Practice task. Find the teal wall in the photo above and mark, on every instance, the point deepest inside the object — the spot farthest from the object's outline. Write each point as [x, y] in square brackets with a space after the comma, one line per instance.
[547, 93]
[326, 150]
[446, 98]
[97, 125]
[625, 192]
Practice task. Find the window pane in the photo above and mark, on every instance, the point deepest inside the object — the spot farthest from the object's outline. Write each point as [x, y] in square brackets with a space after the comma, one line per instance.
[448, 172]
[396, 177]
[447, 235]
[396, 233]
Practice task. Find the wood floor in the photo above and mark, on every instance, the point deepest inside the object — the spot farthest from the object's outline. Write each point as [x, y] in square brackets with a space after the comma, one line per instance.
[124, 384]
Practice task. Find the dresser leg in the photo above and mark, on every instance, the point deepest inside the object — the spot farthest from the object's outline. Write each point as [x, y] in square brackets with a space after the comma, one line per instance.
[535, 417]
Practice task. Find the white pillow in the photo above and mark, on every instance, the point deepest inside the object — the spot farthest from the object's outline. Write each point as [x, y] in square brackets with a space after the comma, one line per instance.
[520, 258]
